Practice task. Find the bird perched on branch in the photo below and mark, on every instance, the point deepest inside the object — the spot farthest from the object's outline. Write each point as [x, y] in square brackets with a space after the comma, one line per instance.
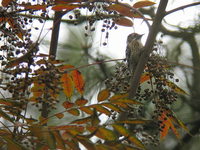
[133, 50]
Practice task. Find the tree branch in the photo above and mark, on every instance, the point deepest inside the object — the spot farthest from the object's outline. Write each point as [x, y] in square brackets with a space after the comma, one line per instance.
[148, 47]
[182, 7]
[52, 51]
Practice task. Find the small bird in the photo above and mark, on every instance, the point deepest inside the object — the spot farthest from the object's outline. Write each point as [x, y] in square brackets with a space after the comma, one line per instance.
[133, 50]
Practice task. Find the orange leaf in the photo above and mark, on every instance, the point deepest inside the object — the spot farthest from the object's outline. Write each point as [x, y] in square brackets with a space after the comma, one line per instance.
[35, 7]
[103, 95]
[166, 125]
[81, 102]
[78, 81]
[144, 77]
[123, 22]
[5, 3]
[61, 7]
[59, 115]
[74, 112]
[67, 104]
[143, 3]
[67, 84]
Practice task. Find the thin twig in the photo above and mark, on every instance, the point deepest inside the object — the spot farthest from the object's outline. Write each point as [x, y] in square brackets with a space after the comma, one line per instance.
[182, 7]
[95, 63]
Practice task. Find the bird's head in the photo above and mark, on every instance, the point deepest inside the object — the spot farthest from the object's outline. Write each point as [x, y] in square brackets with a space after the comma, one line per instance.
[133, 36]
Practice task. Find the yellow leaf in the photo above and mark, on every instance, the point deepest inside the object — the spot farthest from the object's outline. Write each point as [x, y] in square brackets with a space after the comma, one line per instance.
[122, 130]
[86, 109]
[143, 3]
[107, 134]
[135, 141]
[118, 96]
[112, 107]
[74, 112]
[103, 95]
[101, 109]
[175, 87]
[101, 147]
[81, 121]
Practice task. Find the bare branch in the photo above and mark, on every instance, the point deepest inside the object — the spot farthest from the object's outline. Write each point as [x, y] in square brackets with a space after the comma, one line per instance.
[182, 7]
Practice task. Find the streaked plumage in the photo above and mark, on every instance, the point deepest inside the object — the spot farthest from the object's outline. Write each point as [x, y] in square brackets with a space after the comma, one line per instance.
[133, 50]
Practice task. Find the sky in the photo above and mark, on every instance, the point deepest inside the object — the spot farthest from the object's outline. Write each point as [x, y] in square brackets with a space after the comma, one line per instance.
[117, 41]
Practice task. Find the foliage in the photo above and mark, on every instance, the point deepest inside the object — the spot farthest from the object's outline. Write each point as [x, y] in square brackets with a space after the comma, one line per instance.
[32, 78]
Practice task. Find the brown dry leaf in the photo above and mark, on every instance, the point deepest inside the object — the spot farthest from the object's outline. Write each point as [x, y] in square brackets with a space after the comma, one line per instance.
[143, 3]
[123, 22]
[61, 7]
[123, 10]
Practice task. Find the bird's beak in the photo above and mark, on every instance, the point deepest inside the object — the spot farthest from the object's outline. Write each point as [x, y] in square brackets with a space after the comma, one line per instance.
[140, 36]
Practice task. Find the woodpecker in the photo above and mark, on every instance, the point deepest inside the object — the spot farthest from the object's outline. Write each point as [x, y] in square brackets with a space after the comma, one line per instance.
[133, 50]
